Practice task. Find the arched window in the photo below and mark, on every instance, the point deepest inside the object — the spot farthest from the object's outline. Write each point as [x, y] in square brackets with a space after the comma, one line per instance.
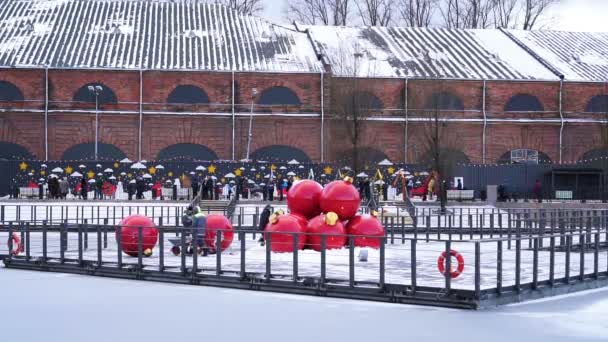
[86, 151]
[11, 151]
[597, 104]
[280, 152]
[445, 101]
[524, 156]
[9, 92]
[187, 151]
[595, 154]
[87, 92]
[189, 94]
[524, 103]
[367, 101]
[278, 96]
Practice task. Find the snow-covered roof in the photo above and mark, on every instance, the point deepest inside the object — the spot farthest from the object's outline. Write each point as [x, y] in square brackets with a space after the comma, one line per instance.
[578, 56]
[134, 34]
[425, 53]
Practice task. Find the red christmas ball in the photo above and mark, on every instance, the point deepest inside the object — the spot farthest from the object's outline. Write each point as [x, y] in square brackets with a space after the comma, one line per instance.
[366, 228]
[216, 223]
[303, 220]
[281, 230]
[329, 225]
[303, 198]
[342, 198]
[128, 231]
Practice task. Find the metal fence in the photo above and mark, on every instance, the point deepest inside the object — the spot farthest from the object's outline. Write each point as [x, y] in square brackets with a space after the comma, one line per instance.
[508, 256]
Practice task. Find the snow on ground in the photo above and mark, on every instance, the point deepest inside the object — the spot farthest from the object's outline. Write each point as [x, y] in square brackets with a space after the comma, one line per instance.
[58, 307]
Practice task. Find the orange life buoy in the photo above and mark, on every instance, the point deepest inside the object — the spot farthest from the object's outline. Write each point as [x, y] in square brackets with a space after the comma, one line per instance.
[17, 245]
[454, 273]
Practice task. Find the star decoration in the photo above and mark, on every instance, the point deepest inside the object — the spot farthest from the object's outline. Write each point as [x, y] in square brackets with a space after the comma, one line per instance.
[152, 170]
[391, 170]
[273, 167]
[116, 165]
[68, 170]
[328, 170]
[238, 172]
[170, 174]
[90, 174]
[211, 168]
[23, 166]
[130, 174]
[33, 171]
[258, 176]
[42, 172]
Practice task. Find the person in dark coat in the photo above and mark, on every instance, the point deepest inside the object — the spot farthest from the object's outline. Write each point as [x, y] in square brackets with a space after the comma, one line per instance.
[195, 187]
[538, 191]
[83, 188]
[141, 187]
[459, 185]
[367, 189]
[239, 187]
[264, 219]
[210, 188]
[131, 189]
[270, 189]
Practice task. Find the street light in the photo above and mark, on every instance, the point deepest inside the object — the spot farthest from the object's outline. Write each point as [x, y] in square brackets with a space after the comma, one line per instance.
[96, 90]
[254, 92]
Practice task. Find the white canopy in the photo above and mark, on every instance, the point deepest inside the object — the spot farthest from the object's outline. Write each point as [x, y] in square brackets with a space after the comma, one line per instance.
[160, 167]
[379, 182]
[57, 169]
[301, 167]
[81, 166]
[76, 174]
[362, 175]
[200, 168]
[230, 175]
[291, 173]
[251, 181]
[132, 181]
[424, 173]
[293, 162]
[126, 161]
[112, 177]
[98, 165]
[143, 161]
[53, 176]
[253, 169]
[147, 175]
[283, 168]
[242, 168]
[385, 162]
[43, 166]
[108, 170]
[138, 166]
[91, 181]
[123, 173]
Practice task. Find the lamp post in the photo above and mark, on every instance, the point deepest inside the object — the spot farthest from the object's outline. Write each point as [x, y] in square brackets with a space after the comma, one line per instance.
[254, 92]
[96, 90]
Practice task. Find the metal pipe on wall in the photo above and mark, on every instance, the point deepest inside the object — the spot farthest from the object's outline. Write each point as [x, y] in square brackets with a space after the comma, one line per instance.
[233, 116]
[141, 111]
[322, 118]
[485, 123]
[405, 133]
[46, 114]
[561, 117]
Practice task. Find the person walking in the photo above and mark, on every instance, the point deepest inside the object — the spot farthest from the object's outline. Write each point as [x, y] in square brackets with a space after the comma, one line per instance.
[63, 188]
[140, 186]
[99, 188]
[83, 188]
[431, 188]
[264, 219]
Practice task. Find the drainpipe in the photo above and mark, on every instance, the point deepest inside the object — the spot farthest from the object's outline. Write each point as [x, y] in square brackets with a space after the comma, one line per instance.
[485, 123]
[561, 117]
[233, 116]
[46, 114]
[141, 108]
[405, 134]
[322, 118]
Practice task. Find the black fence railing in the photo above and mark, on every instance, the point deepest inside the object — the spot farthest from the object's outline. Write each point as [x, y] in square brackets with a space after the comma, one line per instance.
[497, 257]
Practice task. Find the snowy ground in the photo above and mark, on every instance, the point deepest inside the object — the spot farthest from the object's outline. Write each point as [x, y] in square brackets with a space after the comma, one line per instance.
[40, 306]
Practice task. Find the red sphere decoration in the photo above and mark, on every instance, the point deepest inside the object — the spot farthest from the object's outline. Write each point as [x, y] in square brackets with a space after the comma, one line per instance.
[303, 220]
[366, 227]
[326, 224]
[281, 231]
[128, 231]
[303, 198]
[342, 198]
[214, 224]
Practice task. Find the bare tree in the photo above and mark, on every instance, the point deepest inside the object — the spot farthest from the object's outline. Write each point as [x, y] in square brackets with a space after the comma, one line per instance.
[376, 12]
[467, 13]
[417, 13]
[505, 13]
[244, 6]
[320, 12]
[533, 10]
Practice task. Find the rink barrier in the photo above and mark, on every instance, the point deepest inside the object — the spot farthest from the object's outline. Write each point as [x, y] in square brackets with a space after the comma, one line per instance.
[498, 258]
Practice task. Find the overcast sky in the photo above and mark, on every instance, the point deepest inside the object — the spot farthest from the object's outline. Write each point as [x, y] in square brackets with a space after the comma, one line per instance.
[571, 15]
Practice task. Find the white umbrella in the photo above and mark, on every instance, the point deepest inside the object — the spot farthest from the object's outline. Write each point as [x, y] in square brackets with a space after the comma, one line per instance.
[123, 173]
[200, 168]
[132, 181]
[108, 170]
[251, 181]
[57, 169]
[323, 176]
[91, 181]
[291, 173]
[213, 177]
[41, 180]
[301, 167]
[192, 172]
[253, 169]
[53, 176]
[262, 184]
[242, 168]
[76, 174]
[379, 182]
[98, 165]
[409, 177]
[100, 174]
[112, 177]
[143, 161]
[126, 161]
[160, 167]
[282, 168]
[424, 173]
[262, 167]
[81, 166]
[362, 175]
[138, 166]
[418, 182]
[230, 175]
[147, 175]
[43, 166]
[30, 174]
[293, 162]
[385, 162]
[407, 173]
[231, 182]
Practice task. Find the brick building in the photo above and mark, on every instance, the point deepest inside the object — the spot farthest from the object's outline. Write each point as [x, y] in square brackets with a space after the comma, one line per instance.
[183, 79]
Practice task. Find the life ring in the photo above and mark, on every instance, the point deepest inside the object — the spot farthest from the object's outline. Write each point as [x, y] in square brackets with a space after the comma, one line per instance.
[454, 273]
[17, 245]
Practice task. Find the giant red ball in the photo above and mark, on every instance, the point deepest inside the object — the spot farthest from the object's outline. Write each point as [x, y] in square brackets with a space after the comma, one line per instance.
[281, 232]
[325, 224]
[303, 198]
[342, 198]
[129, 232]
[217, 223]
[367, 231]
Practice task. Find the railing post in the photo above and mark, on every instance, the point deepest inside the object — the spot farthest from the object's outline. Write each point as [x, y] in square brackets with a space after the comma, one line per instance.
[351, 261]
[268, 257]
[295, 257]
[140, 248]
[10, 240]
[118, 230]
[448, 266]
[552, 261]
[596, 253]
[413, 244]
[477, 270]
[499, 267]
[581, 240]
[243, 251]
[99, 249]
[568, 249]
[44, 241]
[161, 246]
[218, 253]
[323, 258]
[80, 247]
[382, 260]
